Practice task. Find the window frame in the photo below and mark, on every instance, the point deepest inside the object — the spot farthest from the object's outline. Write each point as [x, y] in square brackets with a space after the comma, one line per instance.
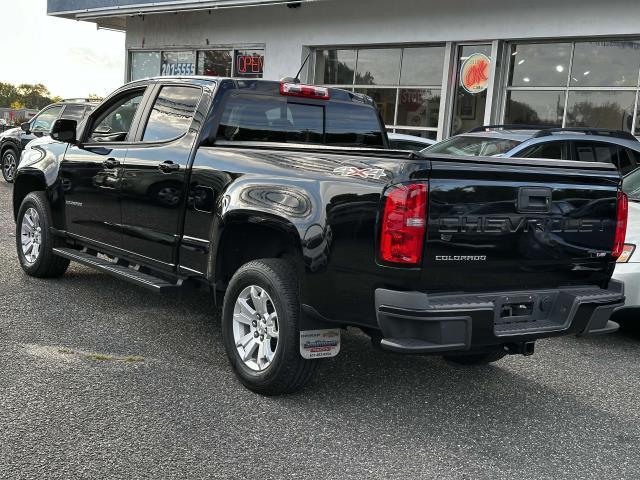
[196, 51]
[146, 90]
[398, 86]
[566, 148]
[42, 112]
[148, 108]
[568, 86]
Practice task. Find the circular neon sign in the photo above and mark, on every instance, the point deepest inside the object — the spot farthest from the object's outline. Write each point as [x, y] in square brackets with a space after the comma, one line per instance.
[474, 74]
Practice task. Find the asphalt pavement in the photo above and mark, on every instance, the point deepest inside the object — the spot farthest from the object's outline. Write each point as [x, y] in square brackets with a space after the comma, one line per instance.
[100, 380]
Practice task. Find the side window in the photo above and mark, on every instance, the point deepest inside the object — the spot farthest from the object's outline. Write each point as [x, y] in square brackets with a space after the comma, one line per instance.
[114, 124]
[172, 113]
[596, 152]
[73, 112]
[628, 160]
[44, 121]
[552, 150]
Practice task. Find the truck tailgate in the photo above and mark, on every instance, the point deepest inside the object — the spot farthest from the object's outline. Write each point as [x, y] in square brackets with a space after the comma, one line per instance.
[513, 224]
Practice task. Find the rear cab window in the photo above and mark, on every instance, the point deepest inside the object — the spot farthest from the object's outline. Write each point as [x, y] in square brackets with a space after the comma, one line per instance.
[250, 116]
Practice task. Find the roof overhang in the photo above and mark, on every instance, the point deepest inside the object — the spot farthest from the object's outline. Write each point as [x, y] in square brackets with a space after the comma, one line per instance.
[117, 10]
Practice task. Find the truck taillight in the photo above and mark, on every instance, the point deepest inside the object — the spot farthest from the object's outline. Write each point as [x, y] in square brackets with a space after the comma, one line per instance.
[307, 91]
[621, 225]
[404, 224]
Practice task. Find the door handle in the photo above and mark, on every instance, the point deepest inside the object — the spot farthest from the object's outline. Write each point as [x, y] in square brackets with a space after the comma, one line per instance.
[111, 163]
[168, 166]
[534, 199]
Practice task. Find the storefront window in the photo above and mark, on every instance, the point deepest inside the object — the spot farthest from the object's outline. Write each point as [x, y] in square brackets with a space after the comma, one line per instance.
[379, 66]
[422, 66]
[215, 63]
[249, 63]
[385, 99]
[144, 65]
[541, 107]
[223, 62]
[472, 81]
[381, 73]
[335, 67]
[601, 109]
[178, 63]
[606, 64]
[540, 65]
[546, 84]
[418, 108]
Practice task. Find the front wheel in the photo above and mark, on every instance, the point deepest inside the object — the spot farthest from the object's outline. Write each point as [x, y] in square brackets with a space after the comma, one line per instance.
[9, 164]
[260, 328]
[34, 241]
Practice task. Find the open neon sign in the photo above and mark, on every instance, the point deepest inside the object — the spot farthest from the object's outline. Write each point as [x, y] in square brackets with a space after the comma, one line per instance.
[249, 64]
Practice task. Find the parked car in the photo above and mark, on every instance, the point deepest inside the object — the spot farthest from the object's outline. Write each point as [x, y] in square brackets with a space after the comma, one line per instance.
[399, 141]
[301, 222]
[628, 264]
[13, 141]
[584, 144]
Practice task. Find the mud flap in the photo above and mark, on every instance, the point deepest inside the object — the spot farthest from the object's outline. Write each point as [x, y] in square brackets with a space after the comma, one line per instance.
[319, 343]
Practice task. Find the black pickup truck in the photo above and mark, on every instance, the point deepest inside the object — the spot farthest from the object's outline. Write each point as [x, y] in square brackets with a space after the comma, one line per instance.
[283, 200]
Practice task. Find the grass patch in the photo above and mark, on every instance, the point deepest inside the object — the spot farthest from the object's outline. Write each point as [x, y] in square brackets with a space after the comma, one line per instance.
[133, 358]
[99, 357]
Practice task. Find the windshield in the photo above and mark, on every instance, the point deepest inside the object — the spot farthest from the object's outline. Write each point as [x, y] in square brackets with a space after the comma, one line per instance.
[473, 146]
[631, 186]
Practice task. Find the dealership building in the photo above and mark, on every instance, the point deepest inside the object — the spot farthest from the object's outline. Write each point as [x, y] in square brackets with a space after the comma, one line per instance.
[434, 68]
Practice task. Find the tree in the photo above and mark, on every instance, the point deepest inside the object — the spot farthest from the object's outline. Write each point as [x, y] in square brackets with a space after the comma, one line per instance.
[26, 95]
[8, 94]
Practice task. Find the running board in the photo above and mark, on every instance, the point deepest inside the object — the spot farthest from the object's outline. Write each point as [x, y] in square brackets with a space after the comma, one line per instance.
[122, 272]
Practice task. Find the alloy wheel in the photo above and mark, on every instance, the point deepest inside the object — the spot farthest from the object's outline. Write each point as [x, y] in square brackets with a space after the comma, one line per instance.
[9, 165]
[255, 328]
[31, 235]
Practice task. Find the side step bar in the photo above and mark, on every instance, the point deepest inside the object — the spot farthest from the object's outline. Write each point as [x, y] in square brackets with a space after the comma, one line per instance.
[122, 272]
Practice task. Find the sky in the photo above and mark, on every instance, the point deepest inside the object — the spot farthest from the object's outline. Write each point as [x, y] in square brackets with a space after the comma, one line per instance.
[73, 59]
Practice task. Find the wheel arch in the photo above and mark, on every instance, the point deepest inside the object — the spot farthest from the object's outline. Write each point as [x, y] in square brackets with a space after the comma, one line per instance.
[247, 236]
[27, 181]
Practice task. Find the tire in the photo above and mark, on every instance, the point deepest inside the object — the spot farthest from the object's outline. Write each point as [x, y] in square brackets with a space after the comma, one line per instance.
[43, 263]
[10, 161]
[476, 358]
[287, 371]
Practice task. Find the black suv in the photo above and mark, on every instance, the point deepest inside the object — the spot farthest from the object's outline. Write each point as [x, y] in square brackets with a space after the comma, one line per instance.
[13, 141]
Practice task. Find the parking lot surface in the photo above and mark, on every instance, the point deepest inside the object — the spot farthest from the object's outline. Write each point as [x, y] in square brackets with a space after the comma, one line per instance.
[99, 379]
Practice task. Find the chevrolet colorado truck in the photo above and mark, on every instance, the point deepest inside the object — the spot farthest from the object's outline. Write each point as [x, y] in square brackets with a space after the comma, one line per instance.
[284, 200]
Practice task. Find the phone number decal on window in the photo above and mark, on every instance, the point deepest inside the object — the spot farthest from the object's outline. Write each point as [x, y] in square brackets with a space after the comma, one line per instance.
[178, 69]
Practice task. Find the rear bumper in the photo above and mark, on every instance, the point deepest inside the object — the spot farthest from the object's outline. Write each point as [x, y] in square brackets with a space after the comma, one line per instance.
[415, 322]
[629, 274]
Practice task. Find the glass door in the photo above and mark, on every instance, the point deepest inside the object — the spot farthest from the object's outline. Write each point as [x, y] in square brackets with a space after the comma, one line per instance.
[473, 73]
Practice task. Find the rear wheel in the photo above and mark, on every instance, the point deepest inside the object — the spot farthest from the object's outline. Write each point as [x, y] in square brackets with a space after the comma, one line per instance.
[9, 164]
[34, 241]
[260, 328]
[476, 358]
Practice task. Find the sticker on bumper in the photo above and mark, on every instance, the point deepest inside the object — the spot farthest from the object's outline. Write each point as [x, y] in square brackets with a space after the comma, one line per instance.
[319, 343]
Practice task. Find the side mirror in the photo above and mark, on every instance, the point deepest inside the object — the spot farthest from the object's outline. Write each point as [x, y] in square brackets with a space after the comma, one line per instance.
[64, 130]
[26, 126]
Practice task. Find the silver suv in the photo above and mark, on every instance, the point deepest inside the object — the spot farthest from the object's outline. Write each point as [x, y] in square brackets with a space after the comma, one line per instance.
[584, 144]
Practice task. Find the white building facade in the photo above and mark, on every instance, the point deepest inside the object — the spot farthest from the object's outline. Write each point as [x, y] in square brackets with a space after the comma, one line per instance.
[434, 68]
